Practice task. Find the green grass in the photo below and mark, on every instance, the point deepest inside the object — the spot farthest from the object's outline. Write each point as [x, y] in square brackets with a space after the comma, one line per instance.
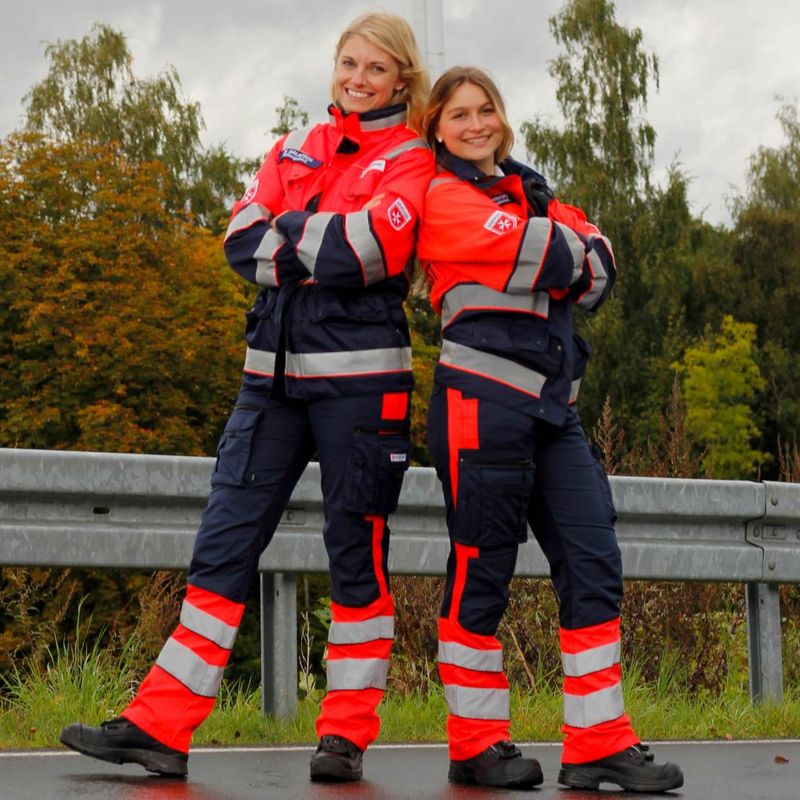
[88, 686]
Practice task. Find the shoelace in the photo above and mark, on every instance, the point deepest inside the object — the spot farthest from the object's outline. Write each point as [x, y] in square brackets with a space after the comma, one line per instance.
[506, 749]
[644, 751]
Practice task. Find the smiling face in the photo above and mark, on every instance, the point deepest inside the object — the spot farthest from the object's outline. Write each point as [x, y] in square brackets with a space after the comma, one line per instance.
[365, 77]
[469, 126]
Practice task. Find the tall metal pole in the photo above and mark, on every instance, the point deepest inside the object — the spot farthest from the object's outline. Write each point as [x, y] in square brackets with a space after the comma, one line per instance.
[427, 19]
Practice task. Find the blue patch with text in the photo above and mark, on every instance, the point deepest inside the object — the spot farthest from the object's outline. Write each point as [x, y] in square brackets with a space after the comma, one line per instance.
[300, 157]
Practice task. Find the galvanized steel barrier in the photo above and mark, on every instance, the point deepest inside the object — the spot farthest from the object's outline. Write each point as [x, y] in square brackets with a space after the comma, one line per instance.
[101, 510]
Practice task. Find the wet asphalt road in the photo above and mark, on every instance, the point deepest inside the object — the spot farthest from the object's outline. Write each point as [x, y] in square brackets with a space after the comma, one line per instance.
[758, 770]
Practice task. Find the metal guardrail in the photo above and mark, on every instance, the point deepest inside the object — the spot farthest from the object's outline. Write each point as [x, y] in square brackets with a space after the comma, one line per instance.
[101, 510]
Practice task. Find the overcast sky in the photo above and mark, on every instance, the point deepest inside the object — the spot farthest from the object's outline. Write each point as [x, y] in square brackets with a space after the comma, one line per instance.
[722, 64]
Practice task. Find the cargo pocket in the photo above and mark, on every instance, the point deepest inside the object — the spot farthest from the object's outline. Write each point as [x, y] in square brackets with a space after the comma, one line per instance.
[604, 485]
[376, 465]
[492, 507]
[235, 446]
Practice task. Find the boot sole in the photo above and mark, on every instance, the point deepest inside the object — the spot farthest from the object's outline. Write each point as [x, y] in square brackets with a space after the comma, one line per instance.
[335, 776]
[457, 774]
[160, 763]
[577, 778]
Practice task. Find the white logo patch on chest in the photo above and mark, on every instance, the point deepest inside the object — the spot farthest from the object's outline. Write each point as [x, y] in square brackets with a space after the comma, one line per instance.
[499, 222]
[399, 215]
[379, 165]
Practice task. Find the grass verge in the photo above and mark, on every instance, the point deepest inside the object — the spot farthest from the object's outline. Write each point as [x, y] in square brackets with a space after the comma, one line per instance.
[90, 686]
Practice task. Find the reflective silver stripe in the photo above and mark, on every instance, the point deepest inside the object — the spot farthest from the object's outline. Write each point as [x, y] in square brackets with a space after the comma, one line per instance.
[531, 253]
[357, 673]
[411, 144]
[574, 388]
[208, 626]
[589, 661]
[387, 122]
[599, 281]
[266, 273]
[311, 241]
[490, 366]
[474, 297]
[295, 139]
[348, 362]
[365, 246]
[577, 248]
[357, 632]
[247, 216]
[438, 181]
[466, 701]
[259, 361]
[583, 711]
[194, 673]
[459, 655]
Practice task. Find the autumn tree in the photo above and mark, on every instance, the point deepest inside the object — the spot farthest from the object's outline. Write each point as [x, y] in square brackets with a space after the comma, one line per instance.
[91, 93]
[120, 326]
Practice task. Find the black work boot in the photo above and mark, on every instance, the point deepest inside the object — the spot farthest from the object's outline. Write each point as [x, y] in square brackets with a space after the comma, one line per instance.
[336, 759]
[122, 742]
[501, 764]
[633, 770]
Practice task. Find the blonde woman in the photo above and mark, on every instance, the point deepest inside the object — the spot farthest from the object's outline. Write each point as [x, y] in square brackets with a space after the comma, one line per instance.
[327, 230]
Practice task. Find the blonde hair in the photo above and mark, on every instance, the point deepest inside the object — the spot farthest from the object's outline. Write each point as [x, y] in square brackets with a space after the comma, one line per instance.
[394, 35]
[443, 90]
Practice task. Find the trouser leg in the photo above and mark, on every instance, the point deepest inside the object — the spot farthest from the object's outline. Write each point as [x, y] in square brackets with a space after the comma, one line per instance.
[572, 517]
[363, 446]
[483, 457]
[263, 451]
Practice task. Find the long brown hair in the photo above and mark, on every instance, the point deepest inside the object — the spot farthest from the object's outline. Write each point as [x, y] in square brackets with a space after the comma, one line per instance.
[443, 90]
[394, 35]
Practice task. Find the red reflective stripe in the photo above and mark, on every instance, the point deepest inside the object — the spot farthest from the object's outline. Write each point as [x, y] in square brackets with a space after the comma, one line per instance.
[463, 555]
[468, 737]
[451, 631]
[453, 675]
[588, 744]
[210, 653]
[351, 714]
[462, 432]
[382, 607]
[395, 405]
[587, 684]
[215, 604]
[579, 639]
[378, 527]
[379, 648]
[167, 710]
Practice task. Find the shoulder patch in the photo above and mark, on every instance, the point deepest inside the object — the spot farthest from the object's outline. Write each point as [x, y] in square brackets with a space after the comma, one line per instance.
[499, 222]
[299, 156]
[250, 191]
[399, 215]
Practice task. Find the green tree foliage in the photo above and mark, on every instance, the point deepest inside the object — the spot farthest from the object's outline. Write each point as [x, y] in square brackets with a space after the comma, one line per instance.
[601, 159]
[90, 93]
[120, 325]
[721, 381]
[763, 279]
[290, 117]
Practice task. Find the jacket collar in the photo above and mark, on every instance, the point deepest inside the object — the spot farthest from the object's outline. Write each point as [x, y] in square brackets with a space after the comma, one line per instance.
[352, 125]
[467, 171]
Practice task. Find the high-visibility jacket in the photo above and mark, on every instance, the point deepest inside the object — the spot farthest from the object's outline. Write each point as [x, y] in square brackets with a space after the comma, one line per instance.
[504, 281]
[329, 317]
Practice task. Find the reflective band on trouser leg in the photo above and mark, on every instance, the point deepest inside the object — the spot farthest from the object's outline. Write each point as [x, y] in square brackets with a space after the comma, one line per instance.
[179, 691]
[359, 642]
[475, 687]
[595, 723]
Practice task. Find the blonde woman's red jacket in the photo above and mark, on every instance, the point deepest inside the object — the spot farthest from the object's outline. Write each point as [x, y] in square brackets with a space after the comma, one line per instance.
[507, 263]
[329, 318]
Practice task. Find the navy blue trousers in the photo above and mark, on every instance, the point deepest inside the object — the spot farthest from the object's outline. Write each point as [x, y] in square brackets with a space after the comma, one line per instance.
[502, 471]
[266, 445]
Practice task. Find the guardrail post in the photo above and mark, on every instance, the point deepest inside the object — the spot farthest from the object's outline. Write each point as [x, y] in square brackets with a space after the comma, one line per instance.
[764, 642]
[279, 644]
